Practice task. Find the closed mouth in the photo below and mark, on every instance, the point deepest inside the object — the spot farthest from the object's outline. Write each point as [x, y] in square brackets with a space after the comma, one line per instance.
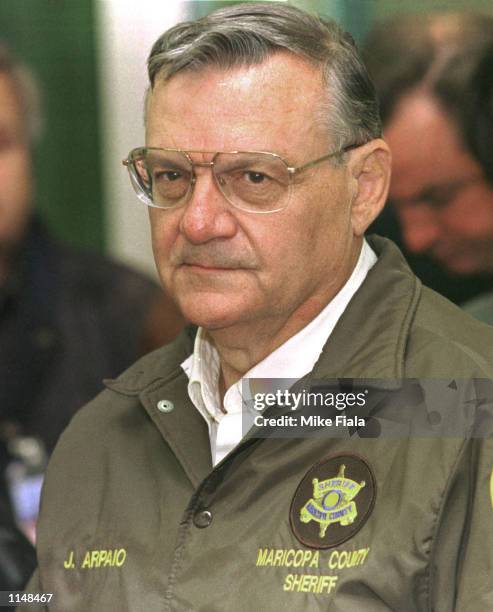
[208, 267]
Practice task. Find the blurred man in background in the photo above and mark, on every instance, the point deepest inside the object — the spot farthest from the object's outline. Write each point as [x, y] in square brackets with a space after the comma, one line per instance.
[67, 319]
[443, 200]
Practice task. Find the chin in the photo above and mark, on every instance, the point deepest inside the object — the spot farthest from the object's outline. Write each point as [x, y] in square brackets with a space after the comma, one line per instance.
[213, 314]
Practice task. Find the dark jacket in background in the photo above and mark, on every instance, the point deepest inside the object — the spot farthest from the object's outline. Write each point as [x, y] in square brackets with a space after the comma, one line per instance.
[67, 320]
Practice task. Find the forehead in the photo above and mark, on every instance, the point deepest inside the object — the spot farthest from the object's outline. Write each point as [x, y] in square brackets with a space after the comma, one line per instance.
[270, 106]
[426, 146]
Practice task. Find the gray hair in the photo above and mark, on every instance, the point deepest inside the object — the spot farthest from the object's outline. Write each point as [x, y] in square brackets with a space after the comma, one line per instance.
[27, 91]
[246, 34]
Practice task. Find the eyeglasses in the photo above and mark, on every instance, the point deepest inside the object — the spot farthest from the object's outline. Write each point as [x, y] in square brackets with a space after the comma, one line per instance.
[253, 181]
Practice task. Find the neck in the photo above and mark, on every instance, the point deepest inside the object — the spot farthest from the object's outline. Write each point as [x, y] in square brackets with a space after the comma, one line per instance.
[244, 345]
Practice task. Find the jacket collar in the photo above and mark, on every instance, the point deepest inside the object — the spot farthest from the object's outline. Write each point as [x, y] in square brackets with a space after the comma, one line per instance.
[157, 377]
[159, 366]
[369, 341]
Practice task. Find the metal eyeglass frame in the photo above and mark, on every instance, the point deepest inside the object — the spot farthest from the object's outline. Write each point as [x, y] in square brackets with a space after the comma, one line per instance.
[145, 197]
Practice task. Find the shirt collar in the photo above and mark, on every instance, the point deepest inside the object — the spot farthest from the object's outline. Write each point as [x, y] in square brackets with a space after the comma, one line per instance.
[202, 368]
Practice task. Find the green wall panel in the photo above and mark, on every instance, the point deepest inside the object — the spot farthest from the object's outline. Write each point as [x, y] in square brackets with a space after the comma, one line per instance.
[56, 37]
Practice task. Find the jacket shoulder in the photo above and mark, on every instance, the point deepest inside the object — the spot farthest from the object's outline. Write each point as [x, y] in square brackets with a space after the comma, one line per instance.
[445, 340]
[120, 398]
[118, 407]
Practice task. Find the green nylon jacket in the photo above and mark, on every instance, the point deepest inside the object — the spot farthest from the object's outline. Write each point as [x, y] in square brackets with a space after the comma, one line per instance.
[134, 517]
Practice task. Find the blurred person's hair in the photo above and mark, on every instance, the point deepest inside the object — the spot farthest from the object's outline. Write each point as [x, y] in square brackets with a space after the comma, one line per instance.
[246, 34]
[435, 52]
[27, 91]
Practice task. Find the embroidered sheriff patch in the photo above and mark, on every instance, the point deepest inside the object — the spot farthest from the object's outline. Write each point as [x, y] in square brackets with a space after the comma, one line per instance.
[333, 501]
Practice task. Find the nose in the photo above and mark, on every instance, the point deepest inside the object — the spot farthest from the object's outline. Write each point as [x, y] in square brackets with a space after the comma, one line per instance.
[207, 215]
[421, 228]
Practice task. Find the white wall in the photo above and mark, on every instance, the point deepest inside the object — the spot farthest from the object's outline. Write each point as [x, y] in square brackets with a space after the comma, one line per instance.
[126, 31]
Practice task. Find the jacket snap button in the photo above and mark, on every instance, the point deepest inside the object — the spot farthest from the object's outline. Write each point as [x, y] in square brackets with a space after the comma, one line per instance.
[165, 406]
[202, 519]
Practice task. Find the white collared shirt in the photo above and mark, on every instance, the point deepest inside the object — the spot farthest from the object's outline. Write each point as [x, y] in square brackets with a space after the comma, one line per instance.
[293, 359]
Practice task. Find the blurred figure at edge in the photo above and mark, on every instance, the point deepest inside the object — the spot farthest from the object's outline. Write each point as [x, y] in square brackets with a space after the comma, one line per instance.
[440, 195]
[68, 319]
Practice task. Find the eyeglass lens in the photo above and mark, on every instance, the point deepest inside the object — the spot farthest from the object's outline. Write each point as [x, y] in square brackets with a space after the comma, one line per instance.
[256, 182]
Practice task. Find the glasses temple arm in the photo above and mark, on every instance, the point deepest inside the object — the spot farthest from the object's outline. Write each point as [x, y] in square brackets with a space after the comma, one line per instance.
[295, 170]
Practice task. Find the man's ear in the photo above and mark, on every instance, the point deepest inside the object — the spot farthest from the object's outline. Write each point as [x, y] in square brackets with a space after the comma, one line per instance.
[369, 168]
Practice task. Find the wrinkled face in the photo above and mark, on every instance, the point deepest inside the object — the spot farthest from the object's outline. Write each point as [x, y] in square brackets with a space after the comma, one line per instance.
[225, 266]
[444, 204]
[15, 167]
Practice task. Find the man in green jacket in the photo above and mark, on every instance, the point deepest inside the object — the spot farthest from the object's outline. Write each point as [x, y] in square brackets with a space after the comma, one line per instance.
[263, 166]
